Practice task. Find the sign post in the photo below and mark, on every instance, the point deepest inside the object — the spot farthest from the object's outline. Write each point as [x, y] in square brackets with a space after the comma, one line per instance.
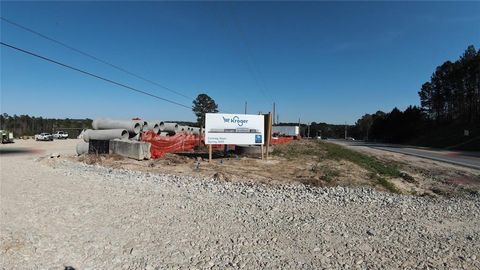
[268, 131]
[209, 153]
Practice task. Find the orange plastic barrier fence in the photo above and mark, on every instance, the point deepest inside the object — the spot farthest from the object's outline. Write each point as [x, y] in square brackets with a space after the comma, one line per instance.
[160, 145]
[281, 140]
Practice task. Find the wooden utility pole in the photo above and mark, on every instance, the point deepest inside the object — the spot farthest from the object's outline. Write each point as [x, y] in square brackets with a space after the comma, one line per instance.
[274, 113]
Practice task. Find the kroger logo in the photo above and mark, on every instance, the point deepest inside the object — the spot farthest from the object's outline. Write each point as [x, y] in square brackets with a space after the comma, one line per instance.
[235, 120]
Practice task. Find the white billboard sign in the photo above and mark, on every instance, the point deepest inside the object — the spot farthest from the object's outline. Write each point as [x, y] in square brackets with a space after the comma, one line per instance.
[221, 128]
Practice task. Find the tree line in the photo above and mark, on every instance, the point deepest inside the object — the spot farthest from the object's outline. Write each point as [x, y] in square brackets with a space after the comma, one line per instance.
[448, 115]
[25, 125]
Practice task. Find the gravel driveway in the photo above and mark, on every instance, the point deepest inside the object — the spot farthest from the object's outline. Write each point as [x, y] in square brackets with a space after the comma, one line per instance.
[57, 213]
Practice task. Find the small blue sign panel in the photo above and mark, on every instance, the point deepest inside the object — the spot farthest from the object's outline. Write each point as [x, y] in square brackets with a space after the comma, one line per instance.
[258, 138]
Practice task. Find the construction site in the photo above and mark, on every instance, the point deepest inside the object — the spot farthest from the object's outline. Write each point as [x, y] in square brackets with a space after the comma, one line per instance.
[237, 192]
[148, 135]
[158, 147]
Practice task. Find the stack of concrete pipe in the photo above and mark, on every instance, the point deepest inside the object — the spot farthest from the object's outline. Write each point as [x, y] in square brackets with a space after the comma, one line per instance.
[132, 126]
[109, 129]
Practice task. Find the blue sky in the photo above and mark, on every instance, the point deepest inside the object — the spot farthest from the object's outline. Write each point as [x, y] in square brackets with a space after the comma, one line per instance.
[320, 61]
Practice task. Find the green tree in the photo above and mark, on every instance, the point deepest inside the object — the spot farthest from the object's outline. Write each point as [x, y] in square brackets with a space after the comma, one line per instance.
[363, 126]
[201, 105]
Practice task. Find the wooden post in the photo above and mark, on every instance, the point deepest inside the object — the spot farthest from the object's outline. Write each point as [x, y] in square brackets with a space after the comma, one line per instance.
[268, 132]
[261, 149]
[209, 153]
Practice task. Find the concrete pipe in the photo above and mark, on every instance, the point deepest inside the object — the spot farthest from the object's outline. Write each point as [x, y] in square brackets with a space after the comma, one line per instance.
[143, 124]
[153, 126]
[136, 137]
[161, 126]
[82, 148]
[170, 127]
[195, 130]
[182, 129]
[106, 134]
[132, 126]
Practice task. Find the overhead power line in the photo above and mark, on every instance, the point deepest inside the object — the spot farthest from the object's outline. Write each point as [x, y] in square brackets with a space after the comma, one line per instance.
[254, 66]
[92, 75]
[93, 57]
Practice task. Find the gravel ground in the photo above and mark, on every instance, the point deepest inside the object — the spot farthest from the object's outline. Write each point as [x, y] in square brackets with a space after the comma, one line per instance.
[57, 213]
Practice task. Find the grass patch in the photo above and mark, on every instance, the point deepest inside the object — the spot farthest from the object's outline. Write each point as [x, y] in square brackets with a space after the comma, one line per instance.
[386, 184]
[296, 150]
[379, 171]
[329, 174]
[372, 164]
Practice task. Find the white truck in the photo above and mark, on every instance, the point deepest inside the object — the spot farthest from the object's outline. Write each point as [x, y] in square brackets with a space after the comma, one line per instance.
[43, 137]
[59, 135]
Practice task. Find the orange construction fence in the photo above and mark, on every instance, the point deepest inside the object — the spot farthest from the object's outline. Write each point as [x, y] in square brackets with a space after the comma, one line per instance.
[182, 142]
[281, 140]
[160, 145]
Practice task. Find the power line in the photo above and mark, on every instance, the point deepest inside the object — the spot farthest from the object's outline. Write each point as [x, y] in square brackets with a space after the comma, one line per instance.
[91, 74]
[93, 57]
[227, 26]
[254, 67]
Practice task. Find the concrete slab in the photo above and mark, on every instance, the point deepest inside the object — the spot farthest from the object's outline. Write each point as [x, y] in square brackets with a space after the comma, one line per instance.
[131, 149]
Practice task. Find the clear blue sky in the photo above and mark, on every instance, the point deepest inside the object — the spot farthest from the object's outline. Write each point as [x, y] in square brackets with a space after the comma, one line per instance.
[327, 62]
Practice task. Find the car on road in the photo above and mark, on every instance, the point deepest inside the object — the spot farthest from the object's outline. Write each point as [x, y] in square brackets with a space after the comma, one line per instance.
[44, 137]
[59, 135]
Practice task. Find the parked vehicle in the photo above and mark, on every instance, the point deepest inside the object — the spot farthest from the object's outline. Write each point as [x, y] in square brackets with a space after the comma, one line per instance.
[60, 135]
[44, 137]
[6, 136]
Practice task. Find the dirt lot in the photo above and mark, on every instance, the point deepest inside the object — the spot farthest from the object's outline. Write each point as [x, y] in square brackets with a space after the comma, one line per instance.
[57, 213]
[310, 162]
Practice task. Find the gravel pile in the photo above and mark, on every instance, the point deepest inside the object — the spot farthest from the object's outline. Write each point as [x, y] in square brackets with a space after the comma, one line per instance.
[102, 218]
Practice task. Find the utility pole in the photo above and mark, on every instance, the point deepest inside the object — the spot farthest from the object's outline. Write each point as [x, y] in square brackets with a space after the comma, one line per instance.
[299, 127]
[245, 107]
[308, 132]
[274, 113]
[345, 130]
[278, 119]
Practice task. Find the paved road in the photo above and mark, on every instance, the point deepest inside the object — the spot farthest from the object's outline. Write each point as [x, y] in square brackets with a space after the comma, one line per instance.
[462, 158]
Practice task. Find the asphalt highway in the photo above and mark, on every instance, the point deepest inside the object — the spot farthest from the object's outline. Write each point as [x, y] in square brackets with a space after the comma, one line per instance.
[462, 158]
